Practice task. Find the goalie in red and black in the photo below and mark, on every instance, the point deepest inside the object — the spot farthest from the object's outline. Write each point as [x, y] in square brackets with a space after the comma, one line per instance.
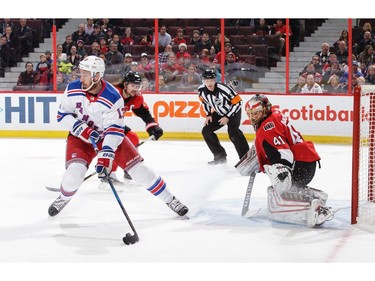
[129, 89]
[290, 163]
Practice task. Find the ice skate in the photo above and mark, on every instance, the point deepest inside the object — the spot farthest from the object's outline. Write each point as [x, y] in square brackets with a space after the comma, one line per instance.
[178, 207]
[57, 206]
[324, 214]
[318, 214]
[118, 185]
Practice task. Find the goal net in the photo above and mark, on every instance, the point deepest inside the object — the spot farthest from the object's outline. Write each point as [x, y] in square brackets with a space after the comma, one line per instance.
[363, 173]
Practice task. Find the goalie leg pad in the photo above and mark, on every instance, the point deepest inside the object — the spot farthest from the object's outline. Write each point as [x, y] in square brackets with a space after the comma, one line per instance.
[286, 210]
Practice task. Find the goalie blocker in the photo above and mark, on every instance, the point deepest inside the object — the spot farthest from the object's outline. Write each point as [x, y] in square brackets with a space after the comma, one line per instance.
[290, 163]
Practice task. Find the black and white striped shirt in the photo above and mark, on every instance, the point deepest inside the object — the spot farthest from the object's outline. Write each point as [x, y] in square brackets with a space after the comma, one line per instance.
[223, 99]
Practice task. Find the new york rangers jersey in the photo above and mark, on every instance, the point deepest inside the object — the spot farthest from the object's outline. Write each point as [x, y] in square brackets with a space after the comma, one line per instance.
[102, 112]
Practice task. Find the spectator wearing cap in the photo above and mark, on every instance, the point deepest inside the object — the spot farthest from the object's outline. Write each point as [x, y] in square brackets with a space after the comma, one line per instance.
[195, 37]
[146, 68]
[128, 59]
[227, 49]
[182, 50]
[355, 74]
[108, 35]
[179, 38]
[164, 37]
[81, 48]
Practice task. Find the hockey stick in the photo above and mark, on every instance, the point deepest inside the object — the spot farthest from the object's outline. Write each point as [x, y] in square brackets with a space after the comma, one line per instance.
[128, 239]
[55, 189]
[245, 208]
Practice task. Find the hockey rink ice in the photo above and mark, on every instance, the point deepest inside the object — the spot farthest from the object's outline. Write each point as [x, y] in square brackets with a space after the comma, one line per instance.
[91, 227]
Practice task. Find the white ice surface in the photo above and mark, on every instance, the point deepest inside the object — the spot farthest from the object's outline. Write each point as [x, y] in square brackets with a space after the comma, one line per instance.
[90, 229]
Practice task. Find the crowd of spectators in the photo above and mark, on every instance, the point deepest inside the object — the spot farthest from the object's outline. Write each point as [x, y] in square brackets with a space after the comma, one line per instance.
[184, 53]
[329, 66]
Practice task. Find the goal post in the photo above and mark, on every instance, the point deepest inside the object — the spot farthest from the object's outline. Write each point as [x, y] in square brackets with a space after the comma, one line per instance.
[363, 155]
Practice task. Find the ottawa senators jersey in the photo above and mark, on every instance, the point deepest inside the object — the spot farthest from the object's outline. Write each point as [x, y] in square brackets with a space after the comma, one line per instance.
[277, 141]
[138, 106]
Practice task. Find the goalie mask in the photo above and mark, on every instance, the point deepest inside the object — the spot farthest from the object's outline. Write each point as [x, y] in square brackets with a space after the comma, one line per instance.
[94, 65]
[257, 109]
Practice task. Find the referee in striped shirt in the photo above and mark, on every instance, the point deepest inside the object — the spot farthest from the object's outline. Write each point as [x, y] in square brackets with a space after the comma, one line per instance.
[222, 106]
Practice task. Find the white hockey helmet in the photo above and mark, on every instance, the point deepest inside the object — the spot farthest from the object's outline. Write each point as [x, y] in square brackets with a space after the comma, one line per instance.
[257, 109]
[93, 64]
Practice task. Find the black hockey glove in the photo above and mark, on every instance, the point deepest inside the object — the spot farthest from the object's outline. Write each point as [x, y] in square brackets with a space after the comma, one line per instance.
[153, 129]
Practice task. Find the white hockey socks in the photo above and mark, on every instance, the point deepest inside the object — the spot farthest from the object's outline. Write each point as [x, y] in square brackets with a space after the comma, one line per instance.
[72, 179]
[146, 176]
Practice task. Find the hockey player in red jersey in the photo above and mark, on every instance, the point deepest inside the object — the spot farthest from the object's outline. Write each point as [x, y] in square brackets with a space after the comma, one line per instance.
[290, 163]
[91, 109]
[129, 88]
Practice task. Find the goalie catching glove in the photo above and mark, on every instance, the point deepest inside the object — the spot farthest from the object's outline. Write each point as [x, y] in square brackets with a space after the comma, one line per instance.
[153, 129]
[105, 161]
[84, 132]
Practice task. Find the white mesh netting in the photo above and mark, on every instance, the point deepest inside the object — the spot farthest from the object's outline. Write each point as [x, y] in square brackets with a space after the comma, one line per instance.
[366, 172]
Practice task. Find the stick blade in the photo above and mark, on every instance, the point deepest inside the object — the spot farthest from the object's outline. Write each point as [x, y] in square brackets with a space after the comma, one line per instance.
[251, 213]
[130, 239]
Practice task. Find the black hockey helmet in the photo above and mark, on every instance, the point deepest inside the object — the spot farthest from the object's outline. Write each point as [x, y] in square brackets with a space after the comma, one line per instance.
[132, 77]
[257, 109]
[209, 74]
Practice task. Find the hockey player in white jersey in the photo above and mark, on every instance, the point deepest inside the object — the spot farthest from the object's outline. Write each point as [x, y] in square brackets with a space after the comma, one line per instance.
[92, 109]
[290, 163]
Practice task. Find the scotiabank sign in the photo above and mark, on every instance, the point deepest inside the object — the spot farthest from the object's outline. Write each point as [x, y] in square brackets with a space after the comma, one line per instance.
[312, 115]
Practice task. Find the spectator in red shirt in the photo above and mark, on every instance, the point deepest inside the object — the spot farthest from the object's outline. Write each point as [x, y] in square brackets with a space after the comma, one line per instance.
[280, 29]
[127, 39]
[179, 38]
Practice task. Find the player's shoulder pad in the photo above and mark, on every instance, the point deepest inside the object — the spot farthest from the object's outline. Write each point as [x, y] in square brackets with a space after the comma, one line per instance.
[110, 93]
[75, 85]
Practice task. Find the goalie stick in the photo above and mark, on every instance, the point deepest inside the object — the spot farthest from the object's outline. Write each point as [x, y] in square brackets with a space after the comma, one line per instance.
[245, 208]
[55, 189]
